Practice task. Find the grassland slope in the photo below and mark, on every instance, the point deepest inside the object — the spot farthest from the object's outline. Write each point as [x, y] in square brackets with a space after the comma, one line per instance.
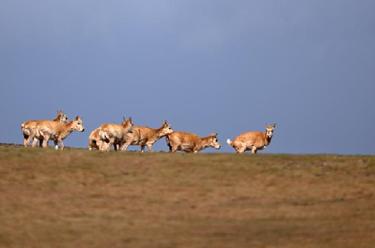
[77, 198]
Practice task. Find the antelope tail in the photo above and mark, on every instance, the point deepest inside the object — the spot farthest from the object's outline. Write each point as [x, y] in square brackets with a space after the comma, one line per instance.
[229, 142]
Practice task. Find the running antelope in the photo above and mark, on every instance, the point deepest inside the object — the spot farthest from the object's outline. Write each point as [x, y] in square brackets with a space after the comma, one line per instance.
[146, 136]
[58, 131]
[114, 134]
[253, 141]
[29, 128]
[189, 142]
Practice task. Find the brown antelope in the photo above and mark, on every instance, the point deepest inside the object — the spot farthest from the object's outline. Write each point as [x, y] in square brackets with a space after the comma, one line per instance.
[146, 136]
[58, 131]
[189, 142]
[114, 134]
[253, 141]
[29, 128]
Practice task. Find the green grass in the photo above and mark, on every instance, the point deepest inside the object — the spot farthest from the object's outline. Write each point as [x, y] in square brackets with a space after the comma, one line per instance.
[77, 198]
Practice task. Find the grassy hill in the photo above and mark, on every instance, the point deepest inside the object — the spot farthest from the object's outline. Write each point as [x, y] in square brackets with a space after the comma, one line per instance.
[77, 198]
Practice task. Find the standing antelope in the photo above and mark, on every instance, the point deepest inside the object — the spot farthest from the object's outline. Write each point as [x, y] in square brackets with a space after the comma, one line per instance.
[114, 134]
[189, 142]
[146, 136]
[253, 141]
[58, 131]
[29, 128]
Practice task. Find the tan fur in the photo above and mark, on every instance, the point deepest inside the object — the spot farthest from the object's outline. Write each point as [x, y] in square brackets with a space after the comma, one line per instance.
[50, 130]
[253, 141]
[146, 136]
[112, 134]
[189, 142]
[29, 128]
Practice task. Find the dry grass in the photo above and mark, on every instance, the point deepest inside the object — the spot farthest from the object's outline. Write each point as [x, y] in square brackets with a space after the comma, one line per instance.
[77, 198]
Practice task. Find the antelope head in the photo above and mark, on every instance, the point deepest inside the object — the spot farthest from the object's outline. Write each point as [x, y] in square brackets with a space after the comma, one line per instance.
[61, 116]
[213, 141]
[127, 123]
[269, 130]
[165, 129]
[77, 124]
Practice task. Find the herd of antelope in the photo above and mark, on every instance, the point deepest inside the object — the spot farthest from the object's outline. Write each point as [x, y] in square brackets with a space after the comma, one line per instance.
[120, 136]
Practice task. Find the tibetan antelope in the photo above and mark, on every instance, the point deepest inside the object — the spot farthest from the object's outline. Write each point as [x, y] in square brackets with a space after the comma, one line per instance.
[58, 131]
[111, 134]
[253, 141]
[29, 128]
[95, 142]
[146, 136]
[189, 142]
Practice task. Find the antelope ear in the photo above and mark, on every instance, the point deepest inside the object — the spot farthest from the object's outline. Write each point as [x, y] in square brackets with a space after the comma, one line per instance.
[213, 134]
[77, 118]
[131, 120]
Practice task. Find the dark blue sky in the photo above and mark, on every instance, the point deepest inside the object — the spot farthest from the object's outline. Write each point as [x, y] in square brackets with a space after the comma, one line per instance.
[224, 66]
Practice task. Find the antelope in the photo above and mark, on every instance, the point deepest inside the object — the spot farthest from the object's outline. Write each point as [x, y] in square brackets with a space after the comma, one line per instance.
[253, 141]
[58, 131]
[146, 136]
[114, 134]
[95, 142]
[29, 128]
[190, 142]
